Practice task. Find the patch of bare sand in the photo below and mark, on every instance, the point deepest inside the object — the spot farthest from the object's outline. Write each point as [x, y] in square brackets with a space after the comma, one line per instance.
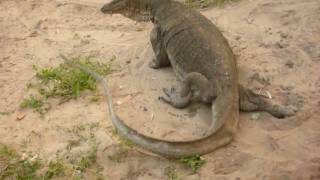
[277, 44]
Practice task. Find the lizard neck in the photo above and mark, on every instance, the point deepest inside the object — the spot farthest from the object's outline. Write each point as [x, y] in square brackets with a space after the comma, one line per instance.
[162, 10]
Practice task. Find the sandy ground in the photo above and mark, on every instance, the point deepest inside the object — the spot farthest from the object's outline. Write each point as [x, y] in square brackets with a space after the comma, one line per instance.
[277, 44]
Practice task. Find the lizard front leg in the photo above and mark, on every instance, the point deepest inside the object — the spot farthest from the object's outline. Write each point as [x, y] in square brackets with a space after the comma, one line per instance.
[161, 58]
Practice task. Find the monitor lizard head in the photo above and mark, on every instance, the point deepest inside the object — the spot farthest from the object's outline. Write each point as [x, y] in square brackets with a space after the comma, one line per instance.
[138, 10]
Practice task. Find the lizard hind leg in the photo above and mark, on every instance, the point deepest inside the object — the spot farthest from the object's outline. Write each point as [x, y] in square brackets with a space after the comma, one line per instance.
[194, 87]
[175, 98]
[250, 101]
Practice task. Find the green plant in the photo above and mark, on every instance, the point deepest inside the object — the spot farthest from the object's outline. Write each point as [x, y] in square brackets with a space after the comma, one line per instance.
[13, 166]
[220, 2]
[16, 168]
[87, 160]
[194, 162]
[24, 142]
[6, 153]
[87, 164]
[31, 102]
[55, 169]
[63, 82]
[67, 82]
[191, 3]
[35, 103]
[4, 113]
[171, 173]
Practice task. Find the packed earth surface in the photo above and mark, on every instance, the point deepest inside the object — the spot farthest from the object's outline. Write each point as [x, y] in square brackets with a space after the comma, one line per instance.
[277, 47]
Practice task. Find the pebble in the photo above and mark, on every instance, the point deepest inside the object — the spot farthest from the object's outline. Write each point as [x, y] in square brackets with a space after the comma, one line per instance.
[290, 64]
[255, 116]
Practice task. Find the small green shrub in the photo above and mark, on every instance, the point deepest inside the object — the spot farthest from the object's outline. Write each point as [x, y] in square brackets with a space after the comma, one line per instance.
[35, 103]
[63, 82]
[67, 82]
[31, 102]
[194, 162]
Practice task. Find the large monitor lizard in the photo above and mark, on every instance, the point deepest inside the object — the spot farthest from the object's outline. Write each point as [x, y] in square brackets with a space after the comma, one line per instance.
[205, 67]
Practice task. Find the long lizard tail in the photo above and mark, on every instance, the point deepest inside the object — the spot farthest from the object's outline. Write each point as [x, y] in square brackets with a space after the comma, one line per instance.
[175, 149]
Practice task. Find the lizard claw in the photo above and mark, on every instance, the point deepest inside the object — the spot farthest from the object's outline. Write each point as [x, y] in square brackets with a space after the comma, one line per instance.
[167, 92]
[164, 99]
[152, 64]
[173, 90]
[167, 97]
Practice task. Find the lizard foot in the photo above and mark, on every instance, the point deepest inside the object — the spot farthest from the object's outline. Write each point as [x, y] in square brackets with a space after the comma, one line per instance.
[173, 98]
[153, 64]
[283, 111]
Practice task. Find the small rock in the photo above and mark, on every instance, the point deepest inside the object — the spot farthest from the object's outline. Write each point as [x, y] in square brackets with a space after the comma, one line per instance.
[139, 29]
[283, 35]
[20, 116]
[250, 20]
[145, 109]
[280, 45]
[124, 100]
[290, 64]
[61, 4]
[34, 34]
[76, 36]
[255, 116]
[6, 58]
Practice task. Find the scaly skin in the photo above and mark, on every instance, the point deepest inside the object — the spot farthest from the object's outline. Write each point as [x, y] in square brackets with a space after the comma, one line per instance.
[205, 65]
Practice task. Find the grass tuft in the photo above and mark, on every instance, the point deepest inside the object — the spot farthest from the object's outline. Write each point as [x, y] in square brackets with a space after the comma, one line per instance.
[67, 82]
[194, 162]
[63, 82]
[4, 113]
[172, 173]
[31, 102]
[37, 104]
[55, 169]
[13, 166]
[88, 160]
